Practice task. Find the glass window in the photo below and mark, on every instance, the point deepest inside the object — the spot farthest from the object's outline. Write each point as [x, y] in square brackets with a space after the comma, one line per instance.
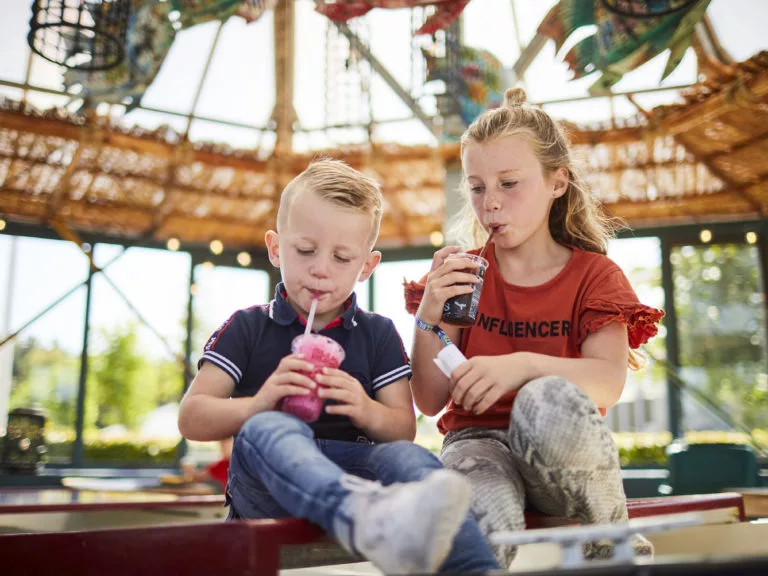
[721, 324]
[135, 372]
[219, 292]
[388, 295]
[389, 301]
[42, 364]
[643, 404]
[362, 291]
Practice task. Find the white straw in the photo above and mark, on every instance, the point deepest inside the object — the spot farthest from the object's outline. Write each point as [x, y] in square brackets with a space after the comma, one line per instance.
[311, 317]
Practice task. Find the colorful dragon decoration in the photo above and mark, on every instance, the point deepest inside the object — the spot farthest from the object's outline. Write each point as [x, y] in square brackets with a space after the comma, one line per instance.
[628, 34]
[473, 83]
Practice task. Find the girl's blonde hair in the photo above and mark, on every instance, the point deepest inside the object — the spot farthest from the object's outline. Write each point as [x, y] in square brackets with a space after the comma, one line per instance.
[575, 218]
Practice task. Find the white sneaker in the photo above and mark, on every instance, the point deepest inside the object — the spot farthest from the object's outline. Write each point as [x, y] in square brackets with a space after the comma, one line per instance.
[405, 528]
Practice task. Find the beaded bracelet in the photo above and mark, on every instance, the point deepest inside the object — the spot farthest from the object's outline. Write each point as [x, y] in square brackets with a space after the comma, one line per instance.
[421, 325]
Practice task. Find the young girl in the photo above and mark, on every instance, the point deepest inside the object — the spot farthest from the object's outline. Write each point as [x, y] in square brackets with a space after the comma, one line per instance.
[550, 348]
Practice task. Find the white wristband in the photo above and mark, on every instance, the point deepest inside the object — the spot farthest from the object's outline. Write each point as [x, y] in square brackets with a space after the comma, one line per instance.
[449, 358]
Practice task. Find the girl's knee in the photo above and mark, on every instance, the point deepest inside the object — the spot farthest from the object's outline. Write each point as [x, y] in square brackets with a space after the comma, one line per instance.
[556, 394]
[558, 421]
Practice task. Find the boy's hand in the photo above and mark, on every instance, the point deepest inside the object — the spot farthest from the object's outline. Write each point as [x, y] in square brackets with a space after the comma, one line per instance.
[284, 381]
[447, 278]
[478, 383]
[343, 388]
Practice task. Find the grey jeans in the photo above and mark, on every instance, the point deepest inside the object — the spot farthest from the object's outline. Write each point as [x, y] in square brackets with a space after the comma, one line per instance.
[557, 455]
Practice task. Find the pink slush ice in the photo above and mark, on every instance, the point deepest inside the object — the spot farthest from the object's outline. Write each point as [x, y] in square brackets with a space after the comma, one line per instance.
[322, 352]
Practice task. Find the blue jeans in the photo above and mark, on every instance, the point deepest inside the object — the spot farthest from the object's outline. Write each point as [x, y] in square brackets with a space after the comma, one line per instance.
[279, 470]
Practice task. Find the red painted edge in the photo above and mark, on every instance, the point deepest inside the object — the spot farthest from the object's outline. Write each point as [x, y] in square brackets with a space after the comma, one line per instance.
[246, 547]
[180, 502]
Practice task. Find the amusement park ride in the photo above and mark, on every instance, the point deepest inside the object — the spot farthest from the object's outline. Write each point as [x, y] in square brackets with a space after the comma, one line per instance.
[160, 187]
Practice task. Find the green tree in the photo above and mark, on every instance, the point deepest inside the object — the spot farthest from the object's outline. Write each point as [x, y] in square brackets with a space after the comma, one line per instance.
[45, 376]
[118, 382]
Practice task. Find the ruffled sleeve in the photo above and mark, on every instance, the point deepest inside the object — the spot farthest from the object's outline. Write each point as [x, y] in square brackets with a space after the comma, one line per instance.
[641, 320]
[414, 292]
[614, 300]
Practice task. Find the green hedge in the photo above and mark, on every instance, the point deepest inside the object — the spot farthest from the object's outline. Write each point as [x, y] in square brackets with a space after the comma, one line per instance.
[649, 449]
[117, 453]
[635, 449]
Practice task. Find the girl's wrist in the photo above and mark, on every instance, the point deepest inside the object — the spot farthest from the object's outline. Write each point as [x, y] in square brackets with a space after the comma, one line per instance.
[428, 327]
[427, 318]
[424, 325]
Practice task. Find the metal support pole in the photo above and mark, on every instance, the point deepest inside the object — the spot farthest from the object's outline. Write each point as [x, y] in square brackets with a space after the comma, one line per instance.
[7, 347]
[674, 404]
[190, 323]
[187, 375]
[762, 251]
[372, 294]
[274, 279]
[78, 449]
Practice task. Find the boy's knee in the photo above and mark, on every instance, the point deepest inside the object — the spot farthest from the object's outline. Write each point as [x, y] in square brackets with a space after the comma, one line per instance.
[271, 423]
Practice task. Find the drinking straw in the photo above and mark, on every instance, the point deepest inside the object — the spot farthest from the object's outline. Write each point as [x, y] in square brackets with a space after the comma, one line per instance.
[311, 317]
[487, 242]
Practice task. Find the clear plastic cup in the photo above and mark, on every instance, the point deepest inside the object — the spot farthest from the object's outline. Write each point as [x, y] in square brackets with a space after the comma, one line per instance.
[322, 352]
[461, 310]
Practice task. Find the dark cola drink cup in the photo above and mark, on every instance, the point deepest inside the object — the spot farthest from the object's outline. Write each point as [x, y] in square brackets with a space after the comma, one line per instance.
[461, 310]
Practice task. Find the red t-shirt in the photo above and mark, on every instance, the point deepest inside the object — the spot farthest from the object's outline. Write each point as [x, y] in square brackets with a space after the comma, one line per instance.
[553, 318]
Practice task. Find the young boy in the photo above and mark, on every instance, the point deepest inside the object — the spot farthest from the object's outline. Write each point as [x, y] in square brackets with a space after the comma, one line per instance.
[354, 471]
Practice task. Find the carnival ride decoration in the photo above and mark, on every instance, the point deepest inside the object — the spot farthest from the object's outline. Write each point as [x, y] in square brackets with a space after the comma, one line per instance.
[152, 27]
[447, 11]
[473, 83]
[81, 35]
[627, 35]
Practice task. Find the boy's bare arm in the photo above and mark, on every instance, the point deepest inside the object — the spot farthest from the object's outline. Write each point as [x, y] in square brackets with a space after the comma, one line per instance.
[207, 412]
[393, 415]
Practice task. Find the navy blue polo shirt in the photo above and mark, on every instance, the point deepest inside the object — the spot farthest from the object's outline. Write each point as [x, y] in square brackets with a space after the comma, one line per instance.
[251, 343]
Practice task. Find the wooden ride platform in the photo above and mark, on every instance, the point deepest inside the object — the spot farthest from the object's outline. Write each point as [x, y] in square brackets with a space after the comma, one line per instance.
[246, 547]
[77, 510]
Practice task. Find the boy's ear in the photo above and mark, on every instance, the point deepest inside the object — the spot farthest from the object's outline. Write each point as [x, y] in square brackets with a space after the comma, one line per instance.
[370, 265]
[272, 241]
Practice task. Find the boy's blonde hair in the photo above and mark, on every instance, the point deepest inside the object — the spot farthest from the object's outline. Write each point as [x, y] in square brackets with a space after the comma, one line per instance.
[338, 183]
[575, 217]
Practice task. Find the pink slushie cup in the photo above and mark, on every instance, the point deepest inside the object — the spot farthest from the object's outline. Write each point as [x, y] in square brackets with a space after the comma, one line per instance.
[322, 352]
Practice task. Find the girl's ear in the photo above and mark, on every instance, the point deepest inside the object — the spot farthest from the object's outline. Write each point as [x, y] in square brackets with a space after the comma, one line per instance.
[271, 239]
[370, 265]
[559, 181]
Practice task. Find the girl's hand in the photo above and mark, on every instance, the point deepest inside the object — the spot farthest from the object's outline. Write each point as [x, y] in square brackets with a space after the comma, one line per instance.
[284, 381]
[447, 278]
[478, 383]
[354, 402]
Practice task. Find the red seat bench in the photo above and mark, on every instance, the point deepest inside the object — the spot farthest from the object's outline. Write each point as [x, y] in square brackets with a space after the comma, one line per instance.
[243, 548]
